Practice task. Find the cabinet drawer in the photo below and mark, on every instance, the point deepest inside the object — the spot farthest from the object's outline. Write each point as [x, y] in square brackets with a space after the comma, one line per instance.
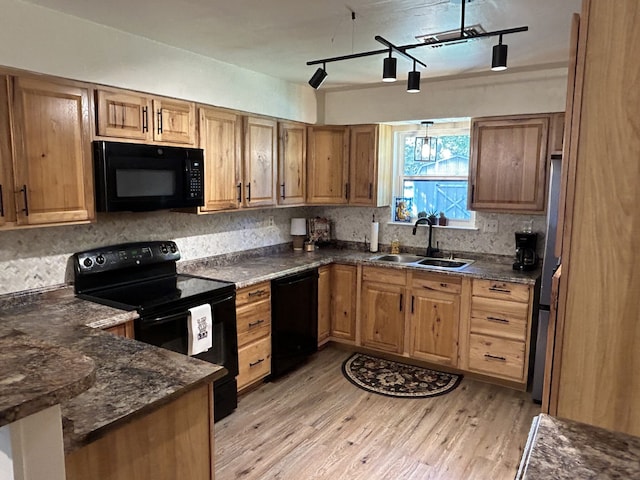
[489, 324]
[258, 292]
[501, 290]
[436, 283]
[496, 357]
[254, 362]
[254, 322]
[384, 275]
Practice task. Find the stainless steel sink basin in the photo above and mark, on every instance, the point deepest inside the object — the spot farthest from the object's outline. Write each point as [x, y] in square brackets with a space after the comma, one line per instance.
[426, 262]
[398, 258]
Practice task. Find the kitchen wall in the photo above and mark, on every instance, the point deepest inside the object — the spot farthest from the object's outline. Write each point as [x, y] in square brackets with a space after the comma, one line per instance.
[42, 40]
[39, 257]
[354, 223]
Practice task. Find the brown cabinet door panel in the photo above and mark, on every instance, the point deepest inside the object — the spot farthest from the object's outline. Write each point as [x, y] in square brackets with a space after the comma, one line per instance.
[124, 115]
[343, 302]
[383, 313]
[363, 161]
[260, 161]
[434, 327]
[292, 163]
[327, 165]
[174, 121]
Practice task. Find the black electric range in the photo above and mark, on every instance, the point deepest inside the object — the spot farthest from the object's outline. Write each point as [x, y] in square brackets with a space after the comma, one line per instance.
[142, 276]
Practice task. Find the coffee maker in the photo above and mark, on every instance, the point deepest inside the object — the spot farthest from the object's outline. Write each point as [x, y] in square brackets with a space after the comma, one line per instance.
[526, 257]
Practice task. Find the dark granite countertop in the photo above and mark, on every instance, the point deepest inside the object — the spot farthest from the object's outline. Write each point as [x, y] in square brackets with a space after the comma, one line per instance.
[131, 377]
[35, 375]
[567, 450]
[249, 271]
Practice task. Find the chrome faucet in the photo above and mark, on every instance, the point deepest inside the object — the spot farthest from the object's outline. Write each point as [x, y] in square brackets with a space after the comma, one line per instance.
[430, 250]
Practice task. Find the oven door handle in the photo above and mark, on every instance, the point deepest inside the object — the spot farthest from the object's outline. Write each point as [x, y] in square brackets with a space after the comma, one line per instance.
[182, 313]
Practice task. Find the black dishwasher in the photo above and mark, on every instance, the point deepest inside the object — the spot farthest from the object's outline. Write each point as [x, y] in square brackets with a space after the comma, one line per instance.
[294, 320]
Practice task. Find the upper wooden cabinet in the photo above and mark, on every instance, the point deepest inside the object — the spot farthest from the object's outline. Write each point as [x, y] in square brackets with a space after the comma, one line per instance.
[349, 165]
[130, 115]
[507, 172]
[292, 163]
[327, 165]
[7, 206]
[370, 163]
[260, 155]
[53, 167]
[221, 140]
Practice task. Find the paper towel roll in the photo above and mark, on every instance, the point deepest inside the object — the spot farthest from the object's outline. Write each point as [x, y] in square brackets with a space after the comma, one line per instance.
[373, 246]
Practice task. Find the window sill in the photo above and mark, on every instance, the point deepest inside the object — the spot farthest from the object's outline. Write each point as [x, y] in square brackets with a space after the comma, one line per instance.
[447, 227]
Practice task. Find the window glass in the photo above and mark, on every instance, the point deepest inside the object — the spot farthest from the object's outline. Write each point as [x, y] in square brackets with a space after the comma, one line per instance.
[434, 177]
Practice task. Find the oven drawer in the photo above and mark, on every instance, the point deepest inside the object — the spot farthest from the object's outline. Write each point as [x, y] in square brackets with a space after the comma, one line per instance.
[496, 356]
[254, 362]
[254, 322]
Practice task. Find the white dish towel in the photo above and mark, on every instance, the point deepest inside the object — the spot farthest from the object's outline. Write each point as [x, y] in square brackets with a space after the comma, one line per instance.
[200, 328]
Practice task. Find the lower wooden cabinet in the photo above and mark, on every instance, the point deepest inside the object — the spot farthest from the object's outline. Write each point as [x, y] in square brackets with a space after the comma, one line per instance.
[124, 329]
[434, 318]
[499, 330]
[324, 304]
[343, 302]
[382, 312]
[253, 318]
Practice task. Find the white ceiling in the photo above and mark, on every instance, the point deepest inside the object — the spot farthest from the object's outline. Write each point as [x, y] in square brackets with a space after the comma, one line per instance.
[278, 37]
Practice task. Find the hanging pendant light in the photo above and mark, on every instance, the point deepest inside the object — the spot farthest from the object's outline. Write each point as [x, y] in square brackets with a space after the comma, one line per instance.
[413, 81]
[426, 148]
[318, 77]
[389, 68]
[499, 57]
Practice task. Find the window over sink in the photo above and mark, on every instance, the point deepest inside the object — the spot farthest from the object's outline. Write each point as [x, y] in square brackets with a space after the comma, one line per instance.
[432, 177]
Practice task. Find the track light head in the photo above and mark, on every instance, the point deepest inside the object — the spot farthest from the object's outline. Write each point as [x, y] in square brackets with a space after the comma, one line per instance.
[318, 77]
[413, 81]
[499, 57]
[389, 69]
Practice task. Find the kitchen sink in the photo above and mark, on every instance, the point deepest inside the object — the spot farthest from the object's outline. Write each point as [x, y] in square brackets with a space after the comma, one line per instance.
[398, 258]
[426, 262]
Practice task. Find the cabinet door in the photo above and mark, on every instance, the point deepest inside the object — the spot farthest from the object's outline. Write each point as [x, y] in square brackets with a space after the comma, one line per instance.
[324, 303]
[383, 316]
[434, 327]
[327, 165]
[292, 163]
[259, 161]
[7, 206]
[124, 115]
[343, 302]
[363, 165]
[54, 175]
[221, 137]
[174, 121]
[508, 164]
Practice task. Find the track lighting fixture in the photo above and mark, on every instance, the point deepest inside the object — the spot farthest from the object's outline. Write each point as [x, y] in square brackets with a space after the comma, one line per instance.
[498, 60]
[499, 57]
[318, 77]
[389, 68]
[413, 81]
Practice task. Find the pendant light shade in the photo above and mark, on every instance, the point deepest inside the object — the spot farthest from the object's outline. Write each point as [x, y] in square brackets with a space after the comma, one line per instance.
[413, 81]
[499, 57]
[318, 77]
[389, 69]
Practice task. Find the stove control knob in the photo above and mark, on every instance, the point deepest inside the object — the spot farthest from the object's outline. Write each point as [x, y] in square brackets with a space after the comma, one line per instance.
[164, 249]
[100, 259]
[87, 262]
[173, 248]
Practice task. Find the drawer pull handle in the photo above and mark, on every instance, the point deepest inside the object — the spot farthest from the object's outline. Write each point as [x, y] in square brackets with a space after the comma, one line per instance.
[256, 323]
[257, 362]
[443, 285]
[498, 289]
[496, 319]
[494, 357]
[257, 293]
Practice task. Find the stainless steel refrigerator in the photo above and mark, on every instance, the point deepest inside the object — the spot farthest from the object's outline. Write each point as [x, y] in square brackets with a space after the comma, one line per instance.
[549, 265]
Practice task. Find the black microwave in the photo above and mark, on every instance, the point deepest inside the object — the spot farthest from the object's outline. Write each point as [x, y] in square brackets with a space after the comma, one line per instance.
[135, 177]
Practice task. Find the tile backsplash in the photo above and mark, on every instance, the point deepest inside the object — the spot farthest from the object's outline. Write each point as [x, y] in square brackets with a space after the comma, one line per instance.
[40, 257]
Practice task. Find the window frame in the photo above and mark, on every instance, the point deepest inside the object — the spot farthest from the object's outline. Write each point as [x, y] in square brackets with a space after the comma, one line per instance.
[439, 129]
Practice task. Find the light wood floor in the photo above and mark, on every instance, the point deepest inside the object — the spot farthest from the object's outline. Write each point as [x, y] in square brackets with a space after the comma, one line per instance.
[314, 424]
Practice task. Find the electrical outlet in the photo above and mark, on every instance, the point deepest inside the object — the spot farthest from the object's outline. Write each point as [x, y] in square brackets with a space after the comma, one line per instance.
[491, 226]
[270, 221]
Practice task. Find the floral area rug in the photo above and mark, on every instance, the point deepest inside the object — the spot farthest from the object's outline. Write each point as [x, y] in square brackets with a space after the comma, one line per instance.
[395, 379]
